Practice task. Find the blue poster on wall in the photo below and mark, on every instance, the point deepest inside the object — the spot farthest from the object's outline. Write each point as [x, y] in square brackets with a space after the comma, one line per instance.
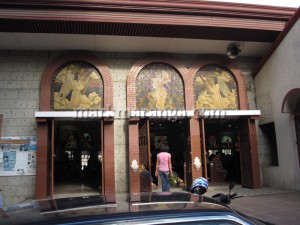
[32, 144]
[9, 161]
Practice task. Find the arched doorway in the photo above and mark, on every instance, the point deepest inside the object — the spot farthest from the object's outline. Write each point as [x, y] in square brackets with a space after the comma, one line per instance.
[74, 135]
[154, 88]
[226, 125]
[197, 123]
[291, 104]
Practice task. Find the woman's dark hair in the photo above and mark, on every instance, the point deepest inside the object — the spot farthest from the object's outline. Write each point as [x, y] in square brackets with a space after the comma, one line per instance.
[165, 148]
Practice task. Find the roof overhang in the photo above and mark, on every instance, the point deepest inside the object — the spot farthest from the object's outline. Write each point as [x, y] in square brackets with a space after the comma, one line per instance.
[171, 26]
[179, 19]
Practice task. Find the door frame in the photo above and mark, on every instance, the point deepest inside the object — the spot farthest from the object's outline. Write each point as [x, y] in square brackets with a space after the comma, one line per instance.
[56, 127]
[44, 172]
[247, 129]
[144, 158]
[247, 135]
[134, 154]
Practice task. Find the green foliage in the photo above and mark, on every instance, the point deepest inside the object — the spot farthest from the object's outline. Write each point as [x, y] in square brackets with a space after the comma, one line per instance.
[173, 180]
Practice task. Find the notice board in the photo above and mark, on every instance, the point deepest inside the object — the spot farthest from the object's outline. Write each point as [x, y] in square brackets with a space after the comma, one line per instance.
[18, 156]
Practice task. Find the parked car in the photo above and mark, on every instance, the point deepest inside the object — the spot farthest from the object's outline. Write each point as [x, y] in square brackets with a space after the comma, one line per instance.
[139, 208]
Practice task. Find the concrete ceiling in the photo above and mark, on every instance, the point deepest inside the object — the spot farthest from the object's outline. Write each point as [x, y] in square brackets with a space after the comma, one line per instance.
[108, 43]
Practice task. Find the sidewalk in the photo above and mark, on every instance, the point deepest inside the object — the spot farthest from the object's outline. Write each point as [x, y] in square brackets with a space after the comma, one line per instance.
[276, 206]
[223, 188]
[279, 209]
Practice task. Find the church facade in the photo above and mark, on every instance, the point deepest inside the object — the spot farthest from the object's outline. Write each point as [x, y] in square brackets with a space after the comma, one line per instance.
[98, 117]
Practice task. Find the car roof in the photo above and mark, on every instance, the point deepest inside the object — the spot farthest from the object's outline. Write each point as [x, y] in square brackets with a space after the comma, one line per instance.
[134, 206]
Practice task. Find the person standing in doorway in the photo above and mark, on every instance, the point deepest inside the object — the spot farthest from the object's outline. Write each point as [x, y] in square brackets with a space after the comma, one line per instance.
[217, 163]
[164, 168]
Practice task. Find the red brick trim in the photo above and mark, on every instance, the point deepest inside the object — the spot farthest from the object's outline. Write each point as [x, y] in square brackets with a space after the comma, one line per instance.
[232, 67]
[45, 93]
[140, 64]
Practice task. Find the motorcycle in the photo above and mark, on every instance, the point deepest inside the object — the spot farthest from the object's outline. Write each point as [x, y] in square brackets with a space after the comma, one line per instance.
[226, 198]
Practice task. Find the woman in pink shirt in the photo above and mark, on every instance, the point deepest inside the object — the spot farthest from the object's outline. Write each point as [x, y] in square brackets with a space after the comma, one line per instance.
[164, 168]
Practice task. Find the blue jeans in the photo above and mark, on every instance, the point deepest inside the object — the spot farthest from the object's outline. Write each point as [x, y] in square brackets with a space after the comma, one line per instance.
[165, 181]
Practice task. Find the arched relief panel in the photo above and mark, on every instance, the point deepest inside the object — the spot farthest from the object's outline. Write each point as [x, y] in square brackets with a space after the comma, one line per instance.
[167, 69]
[230, 69]
[159, 86]
[82, 61]
[215, 88]
[77, 85]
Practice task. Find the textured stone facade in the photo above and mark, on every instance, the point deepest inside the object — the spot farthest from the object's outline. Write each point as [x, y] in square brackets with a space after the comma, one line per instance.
[21, 73]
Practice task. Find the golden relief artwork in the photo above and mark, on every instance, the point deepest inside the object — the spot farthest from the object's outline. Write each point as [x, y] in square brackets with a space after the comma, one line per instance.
[77, 85]
[215, 88]
[157, 98]
[159, 87]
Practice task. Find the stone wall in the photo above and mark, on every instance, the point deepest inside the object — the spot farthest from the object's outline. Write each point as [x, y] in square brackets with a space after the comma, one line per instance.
[16, 189]
[277, 77]
[20, 74]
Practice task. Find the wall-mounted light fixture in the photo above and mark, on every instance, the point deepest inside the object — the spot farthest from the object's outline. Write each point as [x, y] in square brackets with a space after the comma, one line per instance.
[197, 163]
[233, 50]
[134, 166]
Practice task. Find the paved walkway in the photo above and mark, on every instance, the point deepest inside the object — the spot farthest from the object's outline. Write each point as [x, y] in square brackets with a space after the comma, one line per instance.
[276, 206]
[214, 189]
[279, 209]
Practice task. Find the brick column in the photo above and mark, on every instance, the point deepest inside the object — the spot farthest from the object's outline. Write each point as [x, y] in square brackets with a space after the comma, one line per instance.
[134, 178]
[42, 160]
[254, 153]
[195, 146]
[108, 182]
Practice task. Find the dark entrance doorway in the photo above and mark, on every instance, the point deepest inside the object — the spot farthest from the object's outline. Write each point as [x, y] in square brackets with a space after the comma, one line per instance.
[222, 135]
[77, 158]
[175, 134]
